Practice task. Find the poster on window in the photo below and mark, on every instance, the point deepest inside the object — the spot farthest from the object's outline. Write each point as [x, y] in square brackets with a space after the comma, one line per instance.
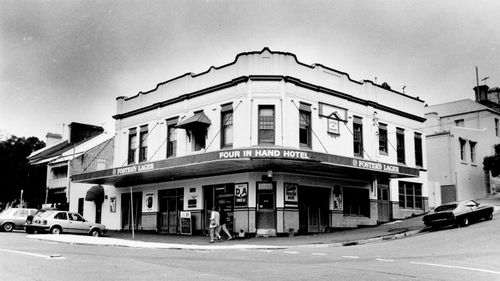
[112, 205]
[149, 201]
[337, 198]
[241, 194]
[291, 197]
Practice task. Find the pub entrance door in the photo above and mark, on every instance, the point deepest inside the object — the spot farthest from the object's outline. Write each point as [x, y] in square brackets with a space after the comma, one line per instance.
[266, 208]
[127, 214]
[171, 203]
[384, 205]
[220, 195]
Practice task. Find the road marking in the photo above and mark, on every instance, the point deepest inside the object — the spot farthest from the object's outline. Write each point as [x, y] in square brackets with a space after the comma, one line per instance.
[351, 257]
[319, 254]
[458, 267]
[290, 252]
[54, 256]
[267, 251]
[386, 260]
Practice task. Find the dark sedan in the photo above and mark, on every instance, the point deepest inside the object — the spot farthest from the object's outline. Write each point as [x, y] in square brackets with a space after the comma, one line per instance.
[458, 213]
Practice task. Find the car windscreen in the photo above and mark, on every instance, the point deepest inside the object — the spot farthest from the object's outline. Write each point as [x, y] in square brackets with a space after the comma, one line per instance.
[448, 207]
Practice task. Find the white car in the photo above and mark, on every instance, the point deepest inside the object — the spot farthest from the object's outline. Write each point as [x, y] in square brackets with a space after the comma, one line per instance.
[57, 222]
[14, 218]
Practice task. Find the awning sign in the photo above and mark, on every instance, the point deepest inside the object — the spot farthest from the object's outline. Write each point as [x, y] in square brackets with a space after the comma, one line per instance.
[134, 169]
[375, 166]
[264, 153]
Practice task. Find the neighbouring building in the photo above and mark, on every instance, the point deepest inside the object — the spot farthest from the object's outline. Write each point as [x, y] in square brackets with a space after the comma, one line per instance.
[56, 158]
[280, 145]
[459, 135]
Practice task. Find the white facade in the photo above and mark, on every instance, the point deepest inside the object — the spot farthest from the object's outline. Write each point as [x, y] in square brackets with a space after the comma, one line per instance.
[253, 82]
[459, 135]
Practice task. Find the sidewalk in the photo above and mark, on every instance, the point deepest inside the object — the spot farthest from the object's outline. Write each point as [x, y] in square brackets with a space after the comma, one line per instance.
[362, 235]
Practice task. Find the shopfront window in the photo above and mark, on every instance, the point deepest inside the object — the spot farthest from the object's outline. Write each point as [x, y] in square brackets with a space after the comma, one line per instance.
[356, 202]
[410, 195]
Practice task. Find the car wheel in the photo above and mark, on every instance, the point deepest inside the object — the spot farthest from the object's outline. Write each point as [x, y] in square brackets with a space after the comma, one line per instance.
[55, 230]
[95, 232]
[8, 227]
[465, 221]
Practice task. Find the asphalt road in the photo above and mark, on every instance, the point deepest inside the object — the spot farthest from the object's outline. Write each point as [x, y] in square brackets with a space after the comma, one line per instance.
[470, 253]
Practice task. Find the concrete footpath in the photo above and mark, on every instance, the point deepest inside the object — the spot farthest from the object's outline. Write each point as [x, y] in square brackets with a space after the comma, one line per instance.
[393, 230]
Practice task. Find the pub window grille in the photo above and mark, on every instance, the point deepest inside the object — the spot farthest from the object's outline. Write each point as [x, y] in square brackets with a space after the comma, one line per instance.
[266, 124]
[143, 147]
[132, 145]
[418, 150]
[358, 136]
[400, 140]
[410, 195]
[382, 139]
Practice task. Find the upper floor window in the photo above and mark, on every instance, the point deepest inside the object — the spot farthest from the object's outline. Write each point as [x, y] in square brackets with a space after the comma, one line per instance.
[382, 139]
[418, 150]
[305, 125]
[143, 146]
[357, 131]
[473, 151]
[400, 144]
[266, 124]
[459, 123]
[60, 172]
[172, 137]
[227, 126]
[132, 145]
[196, 128]
[496, 127]
[462, 149]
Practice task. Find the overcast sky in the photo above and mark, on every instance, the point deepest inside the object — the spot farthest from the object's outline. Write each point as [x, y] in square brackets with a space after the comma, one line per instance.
[67, 61]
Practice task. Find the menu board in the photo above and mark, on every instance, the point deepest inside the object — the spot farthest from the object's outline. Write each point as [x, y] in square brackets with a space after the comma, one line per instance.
[186, 224]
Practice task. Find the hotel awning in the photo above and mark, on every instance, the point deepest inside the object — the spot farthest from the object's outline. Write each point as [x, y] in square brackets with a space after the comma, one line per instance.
[95, 193]
[246, 160]
[199, 119]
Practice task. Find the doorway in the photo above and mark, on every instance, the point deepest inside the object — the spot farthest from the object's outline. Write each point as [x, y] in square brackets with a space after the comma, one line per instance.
[314, 204]
[220, 195]
[127, 214]
[266, 202]
[384, 210]
[171, 203]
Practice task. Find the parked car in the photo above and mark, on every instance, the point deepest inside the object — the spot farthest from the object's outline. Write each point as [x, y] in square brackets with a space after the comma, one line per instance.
[458, 213]
[14, 218]
[57, 222]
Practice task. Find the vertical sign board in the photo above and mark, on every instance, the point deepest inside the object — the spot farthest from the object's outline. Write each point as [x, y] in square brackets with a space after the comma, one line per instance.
[186, 225]
[291, 196]
[241, 194]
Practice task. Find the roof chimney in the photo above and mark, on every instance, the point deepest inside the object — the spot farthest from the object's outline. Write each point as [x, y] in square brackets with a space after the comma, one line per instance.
[52, 139]
[481, 92]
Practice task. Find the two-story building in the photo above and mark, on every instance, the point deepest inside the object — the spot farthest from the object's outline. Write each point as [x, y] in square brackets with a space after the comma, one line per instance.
[459, 135]
[280, 145]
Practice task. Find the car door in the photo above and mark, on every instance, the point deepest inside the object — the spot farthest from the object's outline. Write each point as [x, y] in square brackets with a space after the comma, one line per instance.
[61, 219]
[76, 223]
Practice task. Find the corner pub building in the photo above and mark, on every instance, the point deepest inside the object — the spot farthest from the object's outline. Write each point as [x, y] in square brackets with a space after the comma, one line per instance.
[280, 145]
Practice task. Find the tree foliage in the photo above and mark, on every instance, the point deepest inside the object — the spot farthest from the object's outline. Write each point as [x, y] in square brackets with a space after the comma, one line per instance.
[492, 163]
[17, 174]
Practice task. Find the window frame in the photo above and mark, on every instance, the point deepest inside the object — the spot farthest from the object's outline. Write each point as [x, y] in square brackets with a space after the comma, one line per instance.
[383, 147]
[143, 145]
[400, 145]
[473, 154]
[132, 143]
[357, 129]
[271, 121]
[171, 137]
[305, 124]
[415, 194]
[419, 156]
[462, 144]
[227, 123]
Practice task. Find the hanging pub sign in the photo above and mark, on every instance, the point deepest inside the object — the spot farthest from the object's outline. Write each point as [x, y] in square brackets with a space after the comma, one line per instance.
[291, 198]
[241, 194]
[333, 126]
[337, 197]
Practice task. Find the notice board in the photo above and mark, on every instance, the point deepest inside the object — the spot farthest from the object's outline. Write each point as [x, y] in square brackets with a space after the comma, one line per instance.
[186, 224]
